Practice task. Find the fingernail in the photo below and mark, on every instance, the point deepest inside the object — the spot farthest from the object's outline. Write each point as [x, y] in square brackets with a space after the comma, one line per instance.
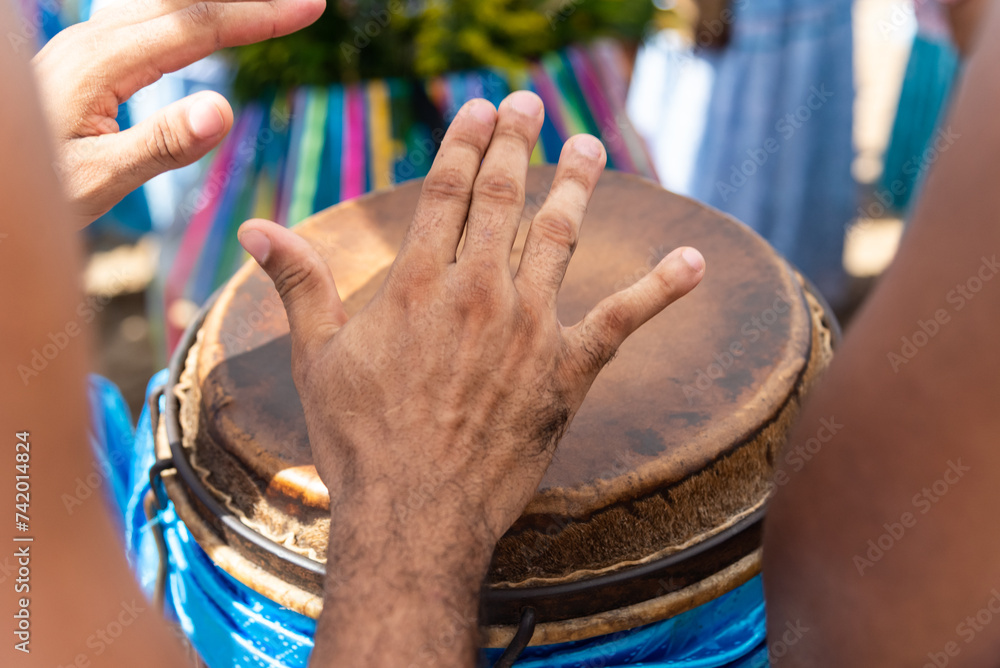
[205, 119]
[482, 111]
[588, 146]
[693, 259]
[525, 102]
[257, 244]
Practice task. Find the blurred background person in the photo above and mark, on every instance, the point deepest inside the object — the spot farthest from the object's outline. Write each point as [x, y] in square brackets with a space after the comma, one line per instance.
[751, 111]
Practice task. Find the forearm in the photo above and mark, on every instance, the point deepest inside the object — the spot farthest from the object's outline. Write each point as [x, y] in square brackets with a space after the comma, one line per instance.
[465, 421]
[400, 593]
[863, 545]
[75, 585]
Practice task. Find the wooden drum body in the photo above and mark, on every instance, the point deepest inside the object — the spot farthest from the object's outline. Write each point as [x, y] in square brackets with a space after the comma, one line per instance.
[653, 502]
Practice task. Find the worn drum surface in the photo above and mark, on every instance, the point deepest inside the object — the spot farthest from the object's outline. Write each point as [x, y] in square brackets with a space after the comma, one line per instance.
[653, 501]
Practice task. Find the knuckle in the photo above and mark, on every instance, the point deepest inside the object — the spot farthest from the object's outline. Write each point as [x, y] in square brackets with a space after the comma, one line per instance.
[516, 137]
[201, 13]
[412, 277]
[663, 283]
[448, 183]
[479, 291]
[163, 146]
[295, 278]
[578, 177]
[467, 142]
[501, 189]
[558, 227]
[614, 319]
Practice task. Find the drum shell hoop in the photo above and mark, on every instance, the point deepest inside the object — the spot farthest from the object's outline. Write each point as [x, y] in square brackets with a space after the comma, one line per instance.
[301, 588]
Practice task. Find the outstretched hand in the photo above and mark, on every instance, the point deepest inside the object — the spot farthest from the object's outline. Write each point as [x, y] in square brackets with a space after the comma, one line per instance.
[86, 71]
[487, 378]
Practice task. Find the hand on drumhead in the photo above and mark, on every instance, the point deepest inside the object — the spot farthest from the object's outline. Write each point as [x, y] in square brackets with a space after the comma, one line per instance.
[434, 412]
[86, 71]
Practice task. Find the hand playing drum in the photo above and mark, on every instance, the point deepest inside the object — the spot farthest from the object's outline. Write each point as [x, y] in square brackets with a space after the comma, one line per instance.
[345, 447]
[493, 378]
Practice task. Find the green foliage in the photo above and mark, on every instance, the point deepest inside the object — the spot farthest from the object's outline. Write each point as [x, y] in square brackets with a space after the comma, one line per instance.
[362, 39]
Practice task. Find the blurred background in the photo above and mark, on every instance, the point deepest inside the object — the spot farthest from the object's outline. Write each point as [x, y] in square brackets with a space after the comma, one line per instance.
[813, 121]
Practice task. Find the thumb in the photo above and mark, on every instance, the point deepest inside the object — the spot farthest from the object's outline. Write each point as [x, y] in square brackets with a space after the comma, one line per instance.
[302, 279]
[175, 136]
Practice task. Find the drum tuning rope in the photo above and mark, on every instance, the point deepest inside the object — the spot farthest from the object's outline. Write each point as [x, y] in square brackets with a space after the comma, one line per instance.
[153, 503]
[525, 630]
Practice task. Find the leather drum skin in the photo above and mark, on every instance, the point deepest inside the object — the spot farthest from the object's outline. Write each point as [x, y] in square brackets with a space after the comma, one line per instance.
[653, 501]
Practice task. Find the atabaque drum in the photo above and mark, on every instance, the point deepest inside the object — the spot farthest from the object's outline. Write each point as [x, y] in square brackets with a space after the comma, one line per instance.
[653, 503]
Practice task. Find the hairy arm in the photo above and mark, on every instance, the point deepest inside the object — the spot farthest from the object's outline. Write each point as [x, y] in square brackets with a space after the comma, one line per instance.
[884, 542]
[77, 583]
[431, 458]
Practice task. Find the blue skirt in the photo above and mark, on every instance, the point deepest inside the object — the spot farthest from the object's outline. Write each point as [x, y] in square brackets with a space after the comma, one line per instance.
[762, 128]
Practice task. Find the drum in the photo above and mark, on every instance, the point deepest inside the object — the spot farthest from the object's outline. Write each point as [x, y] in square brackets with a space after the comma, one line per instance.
[653, 503]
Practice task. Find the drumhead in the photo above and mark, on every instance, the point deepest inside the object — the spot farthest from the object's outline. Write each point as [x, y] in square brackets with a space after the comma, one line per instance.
[660, 480]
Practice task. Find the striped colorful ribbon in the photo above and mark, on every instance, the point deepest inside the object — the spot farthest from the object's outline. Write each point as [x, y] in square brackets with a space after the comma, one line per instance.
[303, 151]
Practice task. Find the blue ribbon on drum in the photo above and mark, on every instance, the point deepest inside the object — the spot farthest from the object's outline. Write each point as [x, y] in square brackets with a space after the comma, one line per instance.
[230, 625]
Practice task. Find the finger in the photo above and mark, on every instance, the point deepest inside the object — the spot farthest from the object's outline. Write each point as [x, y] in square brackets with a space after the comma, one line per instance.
[498, 194]
[131, 12]
[135, 56]
[175, 136]
[594, 341]
[555, 229]
[302, 279]
[447, 190]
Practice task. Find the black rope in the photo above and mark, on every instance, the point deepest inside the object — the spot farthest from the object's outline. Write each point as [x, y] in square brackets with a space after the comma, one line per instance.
[152, 509]
[525, 630]
[154, 502]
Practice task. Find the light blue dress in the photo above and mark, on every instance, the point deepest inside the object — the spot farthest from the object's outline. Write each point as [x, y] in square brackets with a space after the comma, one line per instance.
[762, 128]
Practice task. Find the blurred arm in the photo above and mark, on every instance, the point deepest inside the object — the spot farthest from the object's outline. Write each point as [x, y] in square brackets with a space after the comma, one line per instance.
[84, 608]
[966, 19]
[885, 541]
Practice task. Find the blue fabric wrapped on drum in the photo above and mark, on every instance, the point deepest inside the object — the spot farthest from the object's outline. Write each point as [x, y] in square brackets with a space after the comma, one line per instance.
[231, 625]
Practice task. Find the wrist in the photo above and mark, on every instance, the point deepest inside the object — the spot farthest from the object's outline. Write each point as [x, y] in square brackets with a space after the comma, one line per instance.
[425, 523]
[392, 592]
